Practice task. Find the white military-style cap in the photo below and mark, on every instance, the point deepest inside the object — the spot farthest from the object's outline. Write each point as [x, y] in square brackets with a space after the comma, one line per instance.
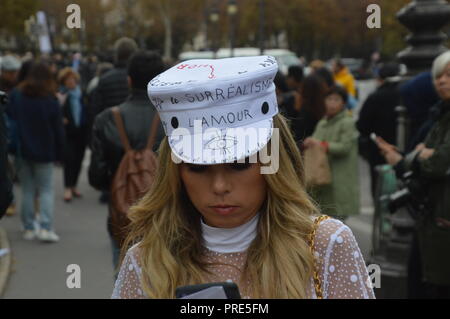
[217, 111]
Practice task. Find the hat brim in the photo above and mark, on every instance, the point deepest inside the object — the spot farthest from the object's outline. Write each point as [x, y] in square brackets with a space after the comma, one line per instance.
[222, 145]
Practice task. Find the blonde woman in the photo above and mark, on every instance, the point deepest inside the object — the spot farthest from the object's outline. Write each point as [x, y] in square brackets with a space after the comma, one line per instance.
[214, 214]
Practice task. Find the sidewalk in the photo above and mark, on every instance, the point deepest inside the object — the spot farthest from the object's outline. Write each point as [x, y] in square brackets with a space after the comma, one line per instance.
[39, 270]
[5, 260]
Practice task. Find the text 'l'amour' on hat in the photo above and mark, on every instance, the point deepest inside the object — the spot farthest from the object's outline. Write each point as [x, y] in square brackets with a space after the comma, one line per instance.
[217, 111]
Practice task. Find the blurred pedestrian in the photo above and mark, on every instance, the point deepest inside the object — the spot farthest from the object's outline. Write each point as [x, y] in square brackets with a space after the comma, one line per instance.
[59, 61]
[75, 125]
[295, 77]
[101, 69]
[36, 111]
[87, 71]
[13, 137]
[112, 88]
[288, 100]
[9, 70]
[24, 70]
[76, 61]
[6, 193]
[343, 77]
[91, 89]
[137, 114]
[326, 75]
[336, 132]
[316, 65]
[378, 115]
[419, 96]
[312, 107]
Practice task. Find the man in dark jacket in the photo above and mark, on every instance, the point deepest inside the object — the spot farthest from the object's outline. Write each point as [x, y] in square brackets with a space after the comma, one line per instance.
[378, 116]
[5, 178]
[112, 87]
[137, 113]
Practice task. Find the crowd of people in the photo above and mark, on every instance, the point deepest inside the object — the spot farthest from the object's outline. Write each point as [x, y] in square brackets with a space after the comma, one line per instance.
[319, 112]
[57, 108]
[52, 104]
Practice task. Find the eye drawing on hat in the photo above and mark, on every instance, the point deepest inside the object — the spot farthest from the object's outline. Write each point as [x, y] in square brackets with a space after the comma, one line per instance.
[223, 143]
[221, 208]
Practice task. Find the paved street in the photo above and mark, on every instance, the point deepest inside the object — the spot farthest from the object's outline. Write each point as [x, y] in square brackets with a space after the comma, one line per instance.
[39, 270]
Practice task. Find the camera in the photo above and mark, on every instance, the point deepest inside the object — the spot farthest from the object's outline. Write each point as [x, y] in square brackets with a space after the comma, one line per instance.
[413, 194]
[413, 190]
[3, 98]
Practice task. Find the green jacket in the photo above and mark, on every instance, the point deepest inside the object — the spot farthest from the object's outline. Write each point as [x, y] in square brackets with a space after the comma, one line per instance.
[434, 241]
[341, 198]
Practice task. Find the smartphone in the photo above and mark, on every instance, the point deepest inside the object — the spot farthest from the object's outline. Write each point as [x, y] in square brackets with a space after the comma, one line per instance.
[230, 288]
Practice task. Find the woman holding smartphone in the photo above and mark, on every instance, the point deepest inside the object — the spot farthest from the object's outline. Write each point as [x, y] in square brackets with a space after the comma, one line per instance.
[220, 208]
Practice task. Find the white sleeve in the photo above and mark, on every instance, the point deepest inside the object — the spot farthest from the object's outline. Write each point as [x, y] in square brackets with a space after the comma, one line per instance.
[128, 283]
[341, 265]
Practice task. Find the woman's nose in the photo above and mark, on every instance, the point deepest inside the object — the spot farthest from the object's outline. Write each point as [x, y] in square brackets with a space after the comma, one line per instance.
[220, 182]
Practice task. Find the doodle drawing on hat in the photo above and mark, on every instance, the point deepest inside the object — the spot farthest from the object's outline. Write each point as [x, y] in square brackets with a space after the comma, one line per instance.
[195, 66]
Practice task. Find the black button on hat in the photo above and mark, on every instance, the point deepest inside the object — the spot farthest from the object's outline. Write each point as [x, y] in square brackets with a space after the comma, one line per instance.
[265, 108]
[174, 122]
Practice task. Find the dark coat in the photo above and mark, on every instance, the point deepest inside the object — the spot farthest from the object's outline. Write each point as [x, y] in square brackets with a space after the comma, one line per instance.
[107, 149]
[378, 116]
[72, 131]
[434, 240]
[39, 126]
[112, 90]
[418, 96]
[6, 194]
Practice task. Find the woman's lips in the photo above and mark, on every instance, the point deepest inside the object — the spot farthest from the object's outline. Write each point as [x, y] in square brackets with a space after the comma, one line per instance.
[224, 210]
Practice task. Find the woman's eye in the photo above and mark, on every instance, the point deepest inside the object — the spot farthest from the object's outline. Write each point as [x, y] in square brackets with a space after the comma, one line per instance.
[197, 168]
[240, 166]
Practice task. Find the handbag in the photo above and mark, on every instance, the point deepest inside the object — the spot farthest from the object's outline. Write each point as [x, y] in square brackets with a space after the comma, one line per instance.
[317, 168]
[312, 235]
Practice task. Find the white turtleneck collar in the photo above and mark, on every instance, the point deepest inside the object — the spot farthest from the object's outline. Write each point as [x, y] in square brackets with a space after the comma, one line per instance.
[230, 240]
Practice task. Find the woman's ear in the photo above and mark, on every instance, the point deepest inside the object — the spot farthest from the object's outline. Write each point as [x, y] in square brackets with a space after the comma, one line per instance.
[130, 82]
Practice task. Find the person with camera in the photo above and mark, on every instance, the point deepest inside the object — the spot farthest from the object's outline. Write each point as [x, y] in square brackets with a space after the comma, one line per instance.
[430, 164]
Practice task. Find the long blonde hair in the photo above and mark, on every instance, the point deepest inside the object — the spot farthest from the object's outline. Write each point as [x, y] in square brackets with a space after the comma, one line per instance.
[167, 227]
